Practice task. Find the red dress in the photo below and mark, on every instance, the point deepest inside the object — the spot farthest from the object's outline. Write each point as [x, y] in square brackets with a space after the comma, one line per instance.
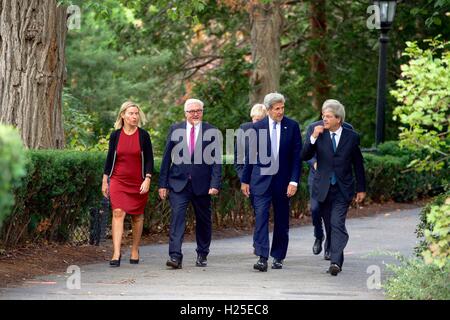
[126, 180]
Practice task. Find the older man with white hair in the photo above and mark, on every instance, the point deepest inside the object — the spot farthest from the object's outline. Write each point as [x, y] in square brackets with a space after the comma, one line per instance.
[257, 113]
[271, 175]
[337, 152]
[186, 177]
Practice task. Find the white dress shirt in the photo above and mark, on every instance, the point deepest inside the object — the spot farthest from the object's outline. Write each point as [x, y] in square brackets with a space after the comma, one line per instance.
[337, 137]
[188, 133]
[278, 128]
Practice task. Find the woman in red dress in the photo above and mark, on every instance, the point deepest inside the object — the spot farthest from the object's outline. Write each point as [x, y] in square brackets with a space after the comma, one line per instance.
[129, 166]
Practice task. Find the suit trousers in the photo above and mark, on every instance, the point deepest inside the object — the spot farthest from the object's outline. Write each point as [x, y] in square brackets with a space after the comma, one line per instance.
[179, 202]
[316, 216]
[280, 239]
[334, 212]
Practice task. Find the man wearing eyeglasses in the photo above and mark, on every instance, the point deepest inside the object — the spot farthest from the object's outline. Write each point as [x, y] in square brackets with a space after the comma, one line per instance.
[314, 204]
[189, 174]
[338, 155]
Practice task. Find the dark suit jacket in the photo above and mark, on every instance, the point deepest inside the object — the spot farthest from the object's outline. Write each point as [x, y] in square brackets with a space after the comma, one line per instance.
[289, 168]
[346, 158]
[174, 173]
[313, 160]
[240, 146]
[146, 152]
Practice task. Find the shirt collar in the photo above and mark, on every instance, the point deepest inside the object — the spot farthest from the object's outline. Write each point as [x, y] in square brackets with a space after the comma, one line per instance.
[338, 131]
[189, 125]
[271, 121]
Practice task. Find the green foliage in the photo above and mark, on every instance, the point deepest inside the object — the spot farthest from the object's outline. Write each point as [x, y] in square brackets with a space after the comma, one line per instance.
[424, 96]
[152, 51]
[424, 224]
[54, 196]
[413, 279]
[389, 178]
[439, 237]
[226, 102]
[12, 164]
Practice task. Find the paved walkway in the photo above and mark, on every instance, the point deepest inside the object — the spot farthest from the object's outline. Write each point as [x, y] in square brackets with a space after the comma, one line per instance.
[229, 274]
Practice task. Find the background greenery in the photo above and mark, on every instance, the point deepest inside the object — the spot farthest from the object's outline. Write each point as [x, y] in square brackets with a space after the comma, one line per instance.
[134, 50]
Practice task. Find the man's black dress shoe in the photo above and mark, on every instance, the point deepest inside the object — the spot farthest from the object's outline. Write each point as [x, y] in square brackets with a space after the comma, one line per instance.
[174, 263]
[327, 255]
[261, 264]
[115, 263]
[277, 264]
[317, 247]
[201, 261]
[334, 269]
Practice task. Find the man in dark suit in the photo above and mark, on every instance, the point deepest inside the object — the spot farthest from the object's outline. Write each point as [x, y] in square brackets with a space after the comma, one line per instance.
[257, 113]
[271, 174]
[314, 204]
[338, 154]
[189, 174]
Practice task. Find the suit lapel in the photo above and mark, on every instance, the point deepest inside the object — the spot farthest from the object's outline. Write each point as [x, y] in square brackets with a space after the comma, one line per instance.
[265, 125]
[283, 135]
[343, 139]
[327, 137]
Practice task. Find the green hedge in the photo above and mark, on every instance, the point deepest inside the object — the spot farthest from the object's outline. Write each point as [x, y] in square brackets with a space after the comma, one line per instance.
[12, 164]
[60, 187]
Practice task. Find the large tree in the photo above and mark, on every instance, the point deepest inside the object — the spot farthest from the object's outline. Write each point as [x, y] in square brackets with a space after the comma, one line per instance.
[32, 41]
[266, 19]
[319, 72]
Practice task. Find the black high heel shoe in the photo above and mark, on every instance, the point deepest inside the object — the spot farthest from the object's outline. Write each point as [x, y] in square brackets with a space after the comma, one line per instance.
[135, 261]
[115, 263]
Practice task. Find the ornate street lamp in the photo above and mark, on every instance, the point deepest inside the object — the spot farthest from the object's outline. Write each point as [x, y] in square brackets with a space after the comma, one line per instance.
[384, 23]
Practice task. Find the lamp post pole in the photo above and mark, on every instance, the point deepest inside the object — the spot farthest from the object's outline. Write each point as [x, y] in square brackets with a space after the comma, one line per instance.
[381, 89]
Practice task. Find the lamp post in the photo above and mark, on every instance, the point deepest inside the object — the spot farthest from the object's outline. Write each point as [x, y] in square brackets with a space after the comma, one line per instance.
[385, 19]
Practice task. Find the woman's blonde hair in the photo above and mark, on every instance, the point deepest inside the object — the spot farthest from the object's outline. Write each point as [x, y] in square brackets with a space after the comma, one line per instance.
[123, 108]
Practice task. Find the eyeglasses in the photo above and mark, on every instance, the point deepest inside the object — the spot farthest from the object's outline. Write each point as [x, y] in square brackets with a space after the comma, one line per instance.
[328, 116]
[194, 111]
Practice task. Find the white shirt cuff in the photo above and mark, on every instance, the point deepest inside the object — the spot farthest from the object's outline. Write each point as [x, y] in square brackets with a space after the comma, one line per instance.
[293, 183]
[312, 139]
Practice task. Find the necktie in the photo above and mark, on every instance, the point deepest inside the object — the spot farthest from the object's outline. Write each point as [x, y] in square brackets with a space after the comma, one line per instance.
[333, 175]
[274, 140]
[192, 141]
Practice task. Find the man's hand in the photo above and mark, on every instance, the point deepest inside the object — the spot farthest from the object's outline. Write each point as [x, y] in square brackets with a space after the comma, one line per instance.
[291, 190]
[163, 192]
[315, 165]
[213, 191]
[317, 131]
[245, 188]
[360, 197]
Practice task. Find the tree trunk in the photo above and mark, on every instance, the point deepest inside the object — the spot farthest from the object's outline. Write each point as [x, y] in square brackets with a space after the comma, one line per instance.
[32, 70]
[266, 27]
[319, 72]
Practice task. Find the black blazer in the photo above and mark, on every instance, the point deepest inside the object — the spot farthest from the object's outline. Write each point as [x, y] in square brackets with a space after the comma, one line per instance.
[146, 152]
[176, 170]
[313, 160]
[346, 158]
[240, 146]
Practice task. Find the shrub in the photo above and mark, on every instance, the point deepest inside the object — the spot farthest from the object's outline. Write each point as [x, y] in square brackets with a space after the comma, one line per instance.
[12, 164]
[425, 224]
[413, 279]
